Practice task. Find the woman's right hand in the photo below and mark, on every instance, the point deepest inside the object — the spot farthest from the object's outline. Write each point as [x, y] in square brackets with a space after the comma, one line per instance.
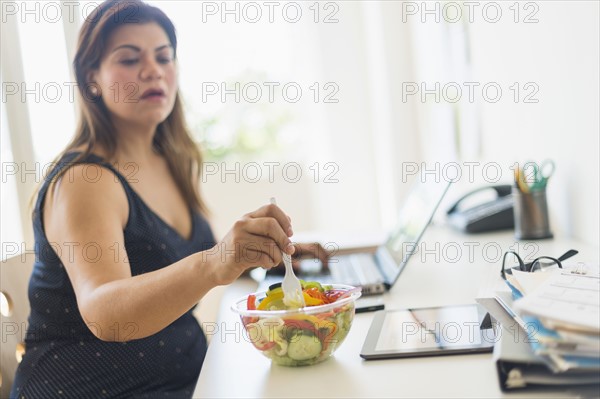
[256, 240]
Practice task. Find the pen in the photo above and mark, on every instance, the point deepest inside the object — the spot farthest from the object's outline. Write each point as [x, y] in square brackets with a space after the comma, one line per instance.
[520, 181]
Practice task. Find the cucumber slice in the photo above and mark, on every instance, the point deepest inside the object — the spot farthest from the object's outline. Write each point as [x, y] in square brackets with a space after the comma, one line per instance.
[304, 347]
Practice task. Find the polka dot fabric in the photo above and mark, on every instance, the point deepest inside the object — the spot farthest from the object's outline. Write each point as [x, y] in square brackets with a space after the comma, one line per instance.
[64, 359]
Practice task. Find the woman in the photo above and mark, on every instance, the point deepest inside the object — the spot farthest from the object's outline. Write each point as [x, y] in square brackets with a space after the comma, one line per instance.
[124, 253]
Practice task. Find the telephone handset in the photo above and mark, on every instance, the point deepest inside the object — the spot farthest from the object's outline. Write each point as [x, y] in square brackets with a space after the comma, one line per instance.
[496, 214]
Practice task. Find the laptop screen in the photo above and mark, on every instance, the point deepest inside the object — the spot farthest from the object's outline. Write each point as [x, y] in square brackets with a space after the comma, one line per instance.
[414, 217]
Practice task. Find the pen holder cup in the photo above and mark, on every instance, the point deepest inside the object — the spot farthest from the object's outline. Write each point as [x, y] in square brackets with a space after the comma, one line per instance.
[531, 215]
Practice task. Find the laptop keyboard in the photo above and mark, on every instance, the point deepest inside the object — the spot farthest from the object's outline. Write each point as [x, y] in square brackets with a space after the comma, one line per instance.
[356, 269]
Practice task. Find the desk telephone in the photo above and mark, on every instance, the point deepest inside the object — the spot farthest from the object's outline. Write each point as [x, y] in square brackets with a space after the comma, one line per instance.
[487, 216]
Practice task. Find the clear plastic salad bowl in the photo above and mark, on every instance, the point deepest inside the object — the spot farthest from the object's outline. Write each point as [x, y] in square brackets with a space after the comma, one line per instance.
[298, 337]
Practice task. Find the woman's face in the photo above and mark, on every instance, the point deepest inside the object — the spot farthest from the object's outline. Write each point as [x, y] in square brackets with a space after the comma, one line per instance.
[137, 76]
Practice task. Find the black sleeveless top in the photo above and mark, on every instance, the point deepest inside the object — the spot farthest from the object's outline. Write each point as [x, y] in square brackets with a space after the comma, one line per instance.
[62, 356]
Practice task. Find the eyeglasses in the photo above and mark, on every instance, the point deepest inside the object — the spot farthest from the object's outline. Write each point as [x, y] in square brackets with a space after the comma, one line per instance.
[512, 260]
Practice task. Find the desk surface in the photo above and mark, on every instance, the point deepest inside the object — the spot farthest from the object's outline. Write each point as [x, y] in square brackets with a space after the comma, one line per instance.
[449, 268]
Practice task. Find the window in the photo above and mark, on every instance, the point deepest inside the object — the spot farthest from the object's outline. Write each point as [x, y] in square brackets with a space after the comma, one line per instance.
[9, 204]
[240, 79]
[50, 91]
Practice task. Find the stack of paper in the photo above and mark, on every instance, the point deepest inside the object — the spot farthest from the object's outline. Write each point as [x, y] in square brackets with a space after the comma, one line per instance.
[561, 312]
[549, 330]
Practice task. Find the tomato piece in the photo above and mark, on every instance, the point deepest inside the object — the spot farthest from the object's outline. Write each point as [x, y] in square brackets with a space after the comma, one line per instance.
[333, 295]
[300, 324]
[250, 305]
[251, 302]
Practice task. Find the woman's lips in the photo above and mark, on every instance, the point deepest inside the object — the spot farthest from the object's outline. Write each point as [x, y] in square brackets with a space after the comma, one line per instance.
[153, 94]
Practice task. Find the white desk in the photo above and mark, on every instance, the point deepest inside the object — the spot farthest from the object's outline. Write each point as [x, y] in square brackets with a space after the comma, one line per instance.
[234, 368]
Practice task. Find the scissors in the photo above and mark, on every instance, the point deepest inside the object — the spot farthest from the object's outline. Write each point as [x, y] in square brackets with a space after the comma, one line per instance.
[539, 175]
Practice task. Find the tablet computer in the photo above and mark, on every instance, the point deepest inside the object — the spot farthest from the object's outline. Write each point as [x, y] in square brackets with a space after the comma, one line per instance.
[435, 331]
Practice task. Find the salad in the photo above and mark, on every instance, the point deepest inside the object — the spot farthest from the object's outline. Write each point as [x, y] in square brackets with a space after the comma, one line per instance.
[302, 336]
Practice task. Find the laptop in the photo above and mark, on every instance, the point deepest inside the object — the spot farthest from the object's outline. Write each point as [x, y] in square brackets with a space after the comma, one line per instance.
[377, 272]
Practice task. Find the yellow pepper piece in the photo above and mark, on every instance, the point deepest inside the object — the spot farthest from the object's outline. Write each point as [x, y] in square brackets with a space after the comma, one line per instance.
[310, 301]
[269, 299]
[275, 292]
[263, 305]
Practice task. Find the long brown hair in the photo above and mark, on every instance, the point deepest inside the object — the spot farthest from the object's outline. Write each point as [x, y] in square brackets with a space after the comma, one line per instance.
[172, 138]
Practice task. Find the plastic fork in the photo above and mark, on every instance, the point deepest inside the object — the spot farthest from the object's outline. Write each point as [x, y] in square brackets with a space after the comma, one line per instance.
[291, 287]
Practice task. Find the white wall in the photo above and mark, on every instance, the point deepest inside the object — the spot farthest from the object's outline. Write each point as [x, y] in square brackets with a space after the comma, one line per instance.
[560, 54]
[372, 133]
[230, 201]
